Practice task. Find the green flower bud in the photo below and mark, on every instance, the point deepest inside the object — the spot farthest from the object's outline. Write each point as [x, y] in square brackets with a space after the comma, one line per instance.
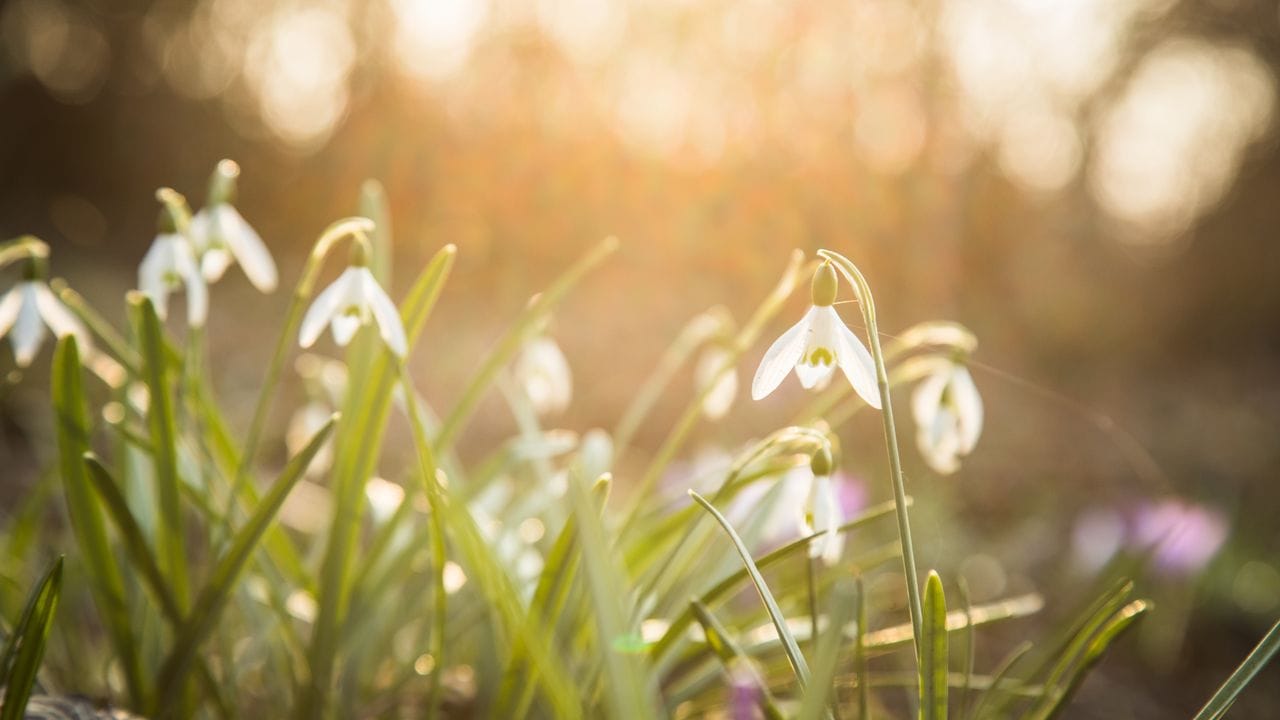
[824, 285]
[821, 462]
[222, 184]
[175, 214]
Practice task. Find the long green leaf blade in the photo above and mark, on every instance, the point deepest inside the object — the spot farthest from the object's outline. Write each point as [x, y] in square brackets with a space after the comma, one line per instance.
[28, 642]
[933, 652]
[737, 664]
[209, 605]
[72, 431]
[798, 664]
[1243, 675]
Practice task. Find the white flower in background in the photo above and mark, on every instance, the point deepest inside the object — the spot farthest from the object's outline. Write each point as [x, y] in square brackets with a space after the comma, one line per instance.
[822, 512]
[354, 299]
[303, 426]
[721, 395]
[543, 372]
[27, 310]
[816, 346]
[170, 264]
[948, 414]
[221, 237]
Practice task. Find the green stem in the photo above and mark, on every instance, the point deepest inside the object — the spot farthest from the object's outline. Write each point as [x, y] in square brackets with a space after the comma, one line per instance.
[352, 226]
[867, 303]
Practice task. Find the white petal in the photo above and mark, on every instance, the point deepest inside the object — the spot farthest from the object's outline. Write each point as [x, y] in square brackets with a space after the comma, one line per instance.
[344, 326]
[214, 263]
[385, 313]
[720, 396]
[9, 308]
[543, 372]
[197, 298]
[968, 404]
[811, 376]
[781, 356]
[855, 361]
[200, 230]
[926, 399]
[28, 330]
[60, 320]
[323, 309]
[248, 248]
[152, 272]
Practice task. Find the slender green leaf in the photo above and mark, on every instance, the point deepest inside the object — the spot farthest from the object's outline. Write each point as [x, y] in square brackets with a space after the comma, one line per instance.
[25, 649]
[1116, 626]
[822, 691]
[356, 448]
[998, 677]
[209, 605]
[798, 664]
[523, 328]
[144, 563]
[171, 537]
[72, 426]
[1243, 675]
[860, 649]
[737, 664]
[933, 651]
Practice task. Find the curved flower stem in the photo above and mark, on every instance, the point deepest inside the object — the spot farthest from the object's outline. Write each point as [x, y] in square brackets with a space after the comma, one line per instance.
[867, 303]
[352, 226]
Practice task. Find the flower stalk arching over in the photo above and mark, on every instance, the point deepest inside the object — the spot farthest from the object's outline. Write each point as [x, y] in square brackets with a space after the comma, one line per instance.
[816, 346]
[949, 414]
[221, 236]
[354, 299]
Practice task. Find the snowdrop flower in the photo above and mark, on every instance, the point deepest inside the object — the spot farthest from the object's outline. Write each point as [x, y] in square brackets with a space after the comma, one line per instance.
[221, 236]
[354, 299]
[169, 265]
[816, 346]
[721, 395]
[27, 310]
[822, 512]
[948, 414]
[543, 372]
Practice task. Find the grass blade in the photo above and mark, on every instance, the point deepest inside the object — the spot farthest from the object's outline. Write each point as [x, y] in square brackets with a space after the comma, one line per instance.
[933, 651]
[821, 691]
[1243, 675]
[25, 647]
[144, 563]
[72, 430]
[1116, 626]
[998, 677]
[171, 538]
[356, 447]
[736, 662]
[514, 339]
[798, 664]
[208, 606]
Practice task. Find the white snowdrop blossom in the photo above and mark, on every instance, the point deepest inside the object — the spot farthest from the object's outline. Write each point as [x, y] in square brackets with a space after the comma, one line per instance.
[27, 310]
[721, 394]
[543, 372]
[354, 299]
[948, 415]
[822, 514]
[816, 346]
[221, 236]
[169, 265]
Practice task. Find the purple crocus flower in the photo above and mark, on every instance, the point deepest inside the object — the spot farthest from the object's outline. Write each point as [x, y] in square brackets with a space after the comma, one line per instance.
[1181, 536]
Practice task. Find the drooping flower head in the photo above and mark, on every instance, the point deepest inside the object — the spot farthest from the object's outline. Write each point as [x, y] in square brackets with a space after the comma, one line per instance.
[171, 263]
[822, 512]
[354, 299]
[543, 373]
[221, 236]
[30, 307]
[816, 346]
[948, 413]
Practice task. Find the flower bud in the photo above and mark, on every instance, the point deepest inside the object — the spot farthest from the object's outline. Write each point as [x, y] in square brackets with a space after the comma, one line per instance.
[825, 283]
[222, 184]
[821, 462]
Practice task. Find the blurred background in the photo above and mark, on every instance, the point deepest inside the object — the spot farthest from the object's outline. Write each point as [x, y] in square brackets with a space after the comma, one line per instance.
[1089, 185]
